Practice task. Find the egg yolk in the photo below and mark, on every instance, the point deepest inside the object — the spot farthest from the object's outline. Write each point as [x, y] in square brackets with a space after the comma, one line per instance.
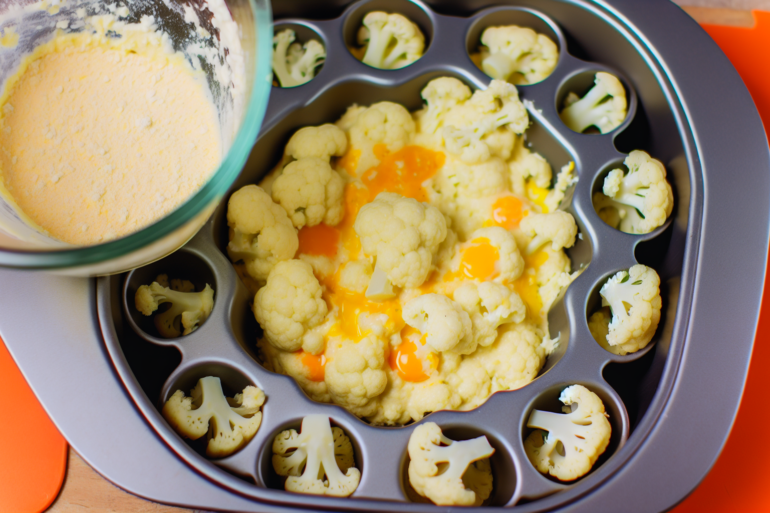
[410, 359]
[537, 195]
[479, 260]
[315, 365]
[319, 240]
[526, 286]
[402, 172]
[508, 211]
[349, 161]
[352, 304]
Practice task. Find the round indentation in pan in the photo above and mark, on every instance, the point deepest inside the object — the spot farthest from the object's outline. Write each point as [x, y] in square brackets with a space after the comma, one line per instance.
[504, 474]
[413, 10]
[266, 471]
[549, 402]
[186, 265]
[233, 382]
[581, 82]
[504, 16]
[303, 34]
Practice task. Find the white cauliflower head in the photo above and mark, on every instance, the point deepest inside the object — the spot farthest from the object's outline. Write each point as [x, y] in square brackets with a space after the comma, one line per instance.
[317, 461]
[403, 234]
[642, 198]
[323, 142]
[510, 263]
[462, 181]
[355, 374]
[188, 309]
[441, 95]
[490, 305]
[289, 306]
[517, 54]
[634, 298]
[446, 325]
[383, 123]
[557, 228]
[429, 448]
[262, 233]
[311, 192]
[392, 40]
[295, 64]
[583, 432]
[604, 106]
[229, 423]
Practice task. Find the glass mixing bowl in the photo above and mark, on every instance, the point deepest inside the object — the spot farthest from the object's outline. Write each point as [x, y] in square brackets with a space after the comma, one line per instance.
[241, 103]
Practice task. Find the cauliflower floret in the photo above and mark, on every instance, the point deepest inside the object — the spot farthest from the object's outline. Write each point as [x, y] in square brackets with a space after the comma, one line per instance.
[291, 364]
[529, 165]
[467, 125]
[289, 306]
[564, 180]
[583, 430]
[517, 54]
[558, 228]
[490, 305]
[441, 96]
[318, 452]
[461, 181]
[323, 142]
[510, 263]
[403, 234]
[634, 298]
[642, 197]
[262, 234]
[356, 275]
[384, 123]
[311, 192]
[188, 309]
[447, 326]
[392, 40]
[429, 448]
[229, 423]
[604, 106]
[355, 374]
[293, 63]
[429, 396]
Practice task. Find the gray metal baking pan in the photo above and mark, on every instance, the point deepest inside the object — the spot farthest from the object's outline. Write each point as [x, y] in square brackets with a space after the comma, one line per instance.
[104, 383]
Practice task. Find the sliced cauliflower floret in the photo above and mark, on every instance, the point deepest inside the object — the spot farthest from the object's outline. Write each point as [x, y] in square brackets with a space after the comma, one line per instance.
[467, 125]
[295, 64]
[188, 309]
[557, 228]
[604, 106]
[444, 484]
[311, 192]
[289, 306]
[392, 40]
[517, 54]
[634, 298]
[229, 423]
[510, 263]
[642, 198]
[323, 142]
[490, 305]
[575, 439]
[319, 460]
[262, 233]
[355, 374]
[441, 95]
[446, 325]
[529, 165]
[403, 234]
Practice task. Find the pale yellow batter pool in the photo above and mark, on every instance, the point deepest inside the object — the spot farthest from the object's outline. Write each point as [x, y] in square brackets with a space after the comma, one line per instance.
[98, 141]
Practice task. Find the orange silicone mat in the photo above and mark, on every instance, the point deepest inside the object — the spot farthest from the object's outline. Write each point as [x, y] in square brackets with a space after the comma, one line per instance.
[739, 480]
[33, 454]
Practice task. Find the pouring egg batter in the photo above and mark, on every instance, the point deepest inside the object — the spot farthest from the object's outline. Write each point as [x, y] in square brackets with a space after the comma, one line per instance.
[405, 263]
[100, 135]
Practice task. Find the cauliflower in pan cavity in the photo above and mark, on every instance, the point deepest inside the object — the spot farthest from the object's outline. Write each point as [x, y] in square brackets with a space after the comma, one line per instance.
[229, 423]
[446, 326]
[392, 41]
[309, 378]
[489, 305]
[403, 234]
[355, 374]
[289, 306]
[634, 300]
[638, 201]
[557, 228]
[323, 142]
[604, 106]
[438, 467]
[175, 283]
[188, 309]
[516, 54]
[574, 440]
[261, 232]
[387, 124]
[318, 461]
[295, 64]
[466, 126]
[311, 192]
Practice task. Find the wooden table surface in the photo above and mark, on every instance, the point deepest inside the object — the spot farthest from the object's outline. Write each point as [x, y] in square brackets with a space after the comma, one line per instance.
[85, 490]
